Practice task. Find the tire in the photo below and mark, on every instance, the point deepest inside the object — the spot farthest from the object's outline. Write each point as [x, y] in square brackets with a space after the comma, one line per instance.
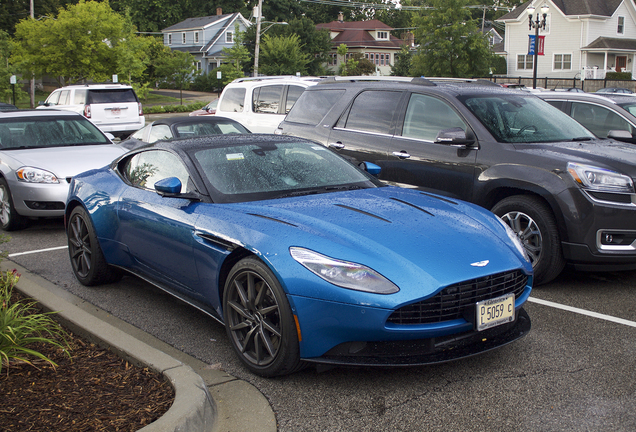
[536, 227]
[87, 260]
[259, 321]
[10, 220]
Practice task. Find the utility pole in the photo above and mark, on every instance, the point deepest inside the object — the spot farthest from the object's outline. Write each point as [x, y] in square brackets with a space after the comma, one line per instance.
[32, 89]
[258, 35]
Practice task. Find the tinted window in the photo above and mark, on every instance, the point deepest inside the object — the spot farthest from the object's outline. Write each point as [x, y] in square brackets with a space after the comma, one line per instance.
[111, 95]
[426, 116]
[51, 132]
[233, 100]
[266, 99]
[598, 119]
[146, 168]
[293, 94]
[631, 107]
[372, 111]
[208, 128]
[312, 106]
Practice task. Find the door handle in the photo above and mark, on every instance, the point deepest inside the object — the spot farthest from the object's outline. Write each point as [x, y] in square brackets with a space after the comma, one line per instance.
[336, 145]
[402, 154]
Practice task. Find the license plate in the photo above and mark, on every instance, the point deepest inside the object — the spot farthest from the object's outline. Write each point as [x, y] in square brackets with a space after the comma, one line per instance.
[116, 111]
[494, 312]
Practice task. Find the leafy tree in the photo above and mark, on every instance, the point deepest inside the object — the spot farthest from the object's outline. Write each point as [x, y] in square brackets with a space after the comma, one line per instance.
[450, 42]
[6, 70]
[358, 65]
[342, 51]
[238, 55]
[12, 11]
[282, 55]
[402, 66]
[177, 68]
[82, 43]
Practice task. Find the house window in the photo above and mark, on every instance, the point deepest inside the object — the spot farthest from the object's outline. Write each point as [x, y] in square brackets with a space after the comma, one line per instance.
[196, 37]
[382, 35]
[183, 38]
[333, 59]
[562, 61]
[169, 38]
[381, 59]
[621, 25]
[229, 37]
[198, 65]
[524, 61]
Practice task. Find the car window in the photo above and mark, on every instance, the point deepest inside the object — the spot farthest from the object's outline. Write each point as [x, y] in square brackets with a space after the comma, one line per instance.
[630, 107]
[312, 106]
[208, 128]
[53, 98]
[598, 119]
[372, 111]
[51, 132]
[293, 93]
[139, 135]
[519, 118]
[233, 100]
[266, 99]
[111, 95]
[146, 168]
[426, 116]
[80, 97]
[159, 132]
[64, 97]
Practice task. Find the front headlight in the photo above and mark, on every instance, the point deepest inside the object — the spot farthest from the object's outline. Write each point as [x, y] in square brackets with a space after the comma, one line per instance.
[515, 239]
[600, 179]
[343, 273]
[36, 175]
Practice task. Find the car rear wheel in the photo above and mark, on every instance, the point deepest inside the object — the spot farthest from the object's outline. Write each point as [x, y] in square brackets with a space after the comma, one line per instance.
[259, 320]
[10, 220]
[88, 262]
[531, 219]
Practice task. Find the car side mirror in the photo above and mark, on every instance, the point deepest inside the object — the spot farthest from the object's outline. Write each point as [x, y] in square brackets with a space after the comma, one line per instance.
[455, 137]
[620, 135]
[371, 168]
[168, 186]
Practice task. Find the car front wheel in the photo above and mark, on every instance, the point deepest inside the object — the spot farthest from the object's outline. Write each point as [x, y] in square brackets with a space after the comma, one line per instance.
[259, 320]
[10, 220]
[531, 219]
[87, 259]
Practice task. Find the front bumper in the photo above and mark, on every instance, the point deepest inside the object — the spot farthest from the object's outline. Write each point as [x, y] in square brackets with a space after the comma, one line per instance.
[39, 200]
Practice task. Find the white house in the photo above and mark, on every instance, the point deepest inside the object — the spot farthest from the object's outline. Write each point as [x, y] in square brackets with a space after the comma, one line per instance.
[589, 37]
[205, 37]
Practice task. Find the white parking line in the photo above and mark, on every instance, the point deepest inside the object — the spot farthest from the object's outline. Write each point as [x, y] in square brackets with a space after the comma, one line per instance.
[582, 312]
[37, 251]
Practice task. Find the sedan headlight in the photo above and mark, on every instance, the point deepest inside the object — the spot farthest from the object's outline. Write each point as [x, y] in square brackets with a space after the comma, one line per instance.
[515, 239]
[36, 175]
[343, 273]
[600, 179]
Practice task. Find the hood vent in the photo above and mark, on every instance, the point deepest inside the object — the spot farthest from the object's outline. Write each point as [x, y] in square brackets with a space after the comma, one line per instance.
[271, 219]
[413, 205]
[362, 211]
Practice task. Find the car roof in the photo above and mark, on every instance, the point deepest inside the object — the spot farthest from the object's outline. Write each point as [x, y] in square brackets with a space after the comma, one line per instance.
[31, 113]
[109, 86]
[186, 145]
[169, 121]
[589, 97]
[282, 79]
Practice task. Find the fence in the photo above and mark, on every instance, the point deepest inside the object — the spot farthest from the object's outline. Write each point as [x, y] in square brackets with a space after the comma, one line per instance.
[588, 85]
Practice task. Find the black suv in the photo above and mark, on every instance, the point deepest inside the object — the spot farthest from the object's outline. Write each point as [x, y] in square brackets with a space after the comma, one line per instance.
[567, 194]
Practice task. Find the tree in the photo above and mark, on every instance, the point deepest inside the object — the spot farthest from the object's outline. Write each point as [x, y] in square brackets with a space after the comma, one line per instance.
[450, 42]
[178, 68]
[238, 55]
[82, 43]
[6, 70]
[282, 55]
[402, 66]
[12, 11]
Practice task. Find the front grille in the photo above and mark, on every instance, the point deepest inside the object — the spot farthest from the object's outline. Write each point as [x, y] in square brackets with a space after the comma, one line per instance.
[457, 301]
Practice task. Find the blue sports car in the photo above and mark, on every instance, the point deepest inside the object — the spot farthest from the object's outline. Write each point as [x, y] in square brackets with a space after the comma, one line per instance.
[303, 256]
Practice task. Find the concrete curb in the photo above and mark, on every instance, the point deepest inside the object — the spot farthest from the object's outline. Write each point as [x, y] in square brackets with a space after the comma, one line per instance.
[205, 399]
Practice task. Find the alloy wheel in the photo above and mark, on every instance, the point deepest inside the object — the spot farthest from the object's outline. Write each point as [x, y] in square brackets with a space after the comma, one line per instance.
[80, 246]
[528, 232]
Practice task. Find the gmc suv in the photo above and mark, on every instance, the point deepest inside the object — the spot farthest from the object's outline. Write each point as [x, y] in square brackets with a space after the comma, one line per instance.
[568, 195]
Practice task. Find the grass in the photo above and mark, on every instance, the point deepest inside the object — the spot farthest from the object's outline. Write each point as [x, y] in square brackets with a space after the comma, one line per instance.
[151, 100]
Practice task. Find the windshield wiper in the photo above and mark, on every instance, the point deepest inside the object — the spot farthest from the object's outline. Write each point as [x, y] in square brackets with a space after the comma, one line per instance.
[582, 139]
[338, 188]
[300, 193]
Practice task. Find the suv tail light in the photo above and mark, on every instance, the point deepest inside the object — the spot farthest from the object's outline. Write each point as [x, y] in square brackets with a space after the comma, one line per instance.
[87, 111]
[141, 110]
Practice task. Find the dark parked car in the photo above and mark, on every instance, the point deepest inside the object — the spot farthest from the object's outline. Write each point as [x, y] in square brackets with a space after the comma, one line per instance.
[567, 194]
[303, 256]
[606, 116]
[183, 127]
[614, 90]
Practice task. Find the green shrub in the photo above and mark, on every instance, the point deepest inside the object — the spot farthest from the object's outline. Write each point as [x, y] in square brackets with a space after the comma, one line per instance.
[160, 109]
[618, 76]
[21, 326]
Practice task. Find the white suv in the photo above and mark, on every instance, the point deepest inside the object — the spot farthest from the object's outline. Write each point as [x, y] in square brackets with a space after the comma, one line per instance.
[261, 103]
[113, 108]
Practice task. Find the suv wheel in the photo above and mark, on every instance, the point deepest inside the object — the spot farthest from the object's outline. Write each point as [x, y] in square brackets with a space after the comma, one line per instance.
[535, 225]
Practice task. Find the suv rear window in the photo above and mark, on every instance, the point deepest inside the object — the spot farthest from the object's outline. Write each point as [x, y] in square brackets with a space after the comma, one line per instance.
[233, 100]
[312, 106]
[110, 96]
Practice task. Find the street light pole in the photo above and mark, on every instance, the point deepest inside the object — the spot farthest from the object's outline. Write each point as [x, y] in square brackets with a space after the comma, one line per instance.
[539, 23]
[258, 36]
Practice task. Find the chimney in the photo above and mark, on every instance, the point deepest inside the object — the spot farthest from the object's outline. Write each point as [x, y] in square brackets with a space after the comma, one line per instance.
[219, 11]
[340, 17]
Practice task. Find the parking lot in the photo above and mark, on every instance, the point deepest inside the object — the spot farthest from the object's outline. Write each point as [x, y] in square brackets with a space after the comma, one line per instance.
[576, 370]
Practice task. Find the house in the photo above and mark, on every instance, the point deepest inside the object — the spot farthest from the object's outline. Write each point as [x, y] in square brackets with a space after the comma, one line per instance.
[583, 38]
[492, 36]
[205, 37]
[371, 38]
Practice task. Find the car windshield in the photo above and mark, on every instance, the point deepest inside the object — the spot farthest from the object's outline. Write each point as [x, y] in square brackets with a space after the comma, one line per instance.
[24, 132]
[629, 106]
[524, 119]
[275, 170]
[201, 128]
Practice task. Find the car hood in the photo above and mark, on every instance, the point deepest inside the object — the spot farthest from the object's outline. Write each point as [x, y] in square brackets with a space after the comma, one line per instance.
[420, 243]
[66, 162]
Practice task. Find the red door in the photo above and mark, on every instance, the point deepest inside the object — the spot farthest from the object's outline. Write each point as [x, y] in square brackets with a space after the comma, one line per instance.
[621, 63]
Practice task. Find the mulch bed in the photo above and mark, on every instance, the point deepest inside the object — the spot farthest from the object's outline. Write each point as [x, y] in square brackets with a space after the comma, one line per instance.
[93, 390]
